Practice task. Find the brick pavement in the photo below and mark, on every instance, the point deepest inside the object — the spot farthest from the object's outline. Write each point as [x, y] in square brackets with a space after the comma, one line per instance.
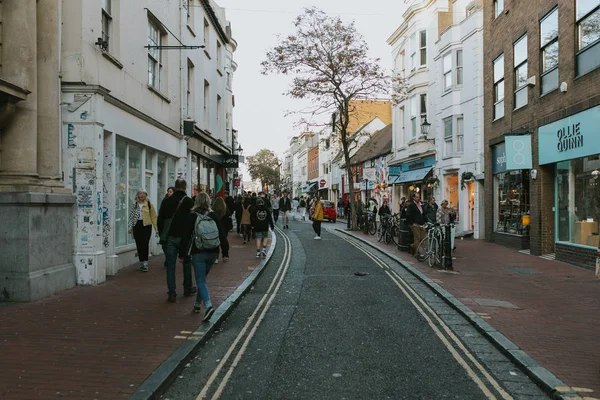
[102, 342]
[557, 321]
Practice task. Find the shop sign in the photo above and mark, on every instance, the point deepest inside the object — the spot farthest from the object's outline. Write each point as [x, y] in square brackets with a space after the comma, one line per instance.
[230, 161]
[498, 158]
[236, 182]
[572, 137]
[419, 164]
[335, 186]
[393, 174]
[370, 174]
[518, 152]
[367, 185]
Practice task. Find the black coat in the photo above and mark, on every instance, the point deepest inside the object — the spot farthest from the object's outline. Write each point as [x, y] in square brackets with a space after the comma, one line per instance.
[413, 215]
[167, 210]
[430, 212]
[285, 204]
[261, 218]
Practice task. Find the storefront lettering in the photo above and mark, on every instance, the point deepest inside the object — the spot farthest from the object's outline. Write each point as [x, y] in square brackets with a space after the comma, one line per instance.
[501, 160]
[569, 138]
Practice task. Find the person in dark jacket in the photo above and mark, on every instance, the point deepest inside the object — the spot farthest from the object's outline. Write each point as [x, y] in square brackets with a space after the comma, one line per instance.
[415, 218]
[202, 260]
[237, 209]
[220, 208]
[430, 209]
[261, 220]
[384, 209]
[175, 209]
[285, 206]
[230, 208]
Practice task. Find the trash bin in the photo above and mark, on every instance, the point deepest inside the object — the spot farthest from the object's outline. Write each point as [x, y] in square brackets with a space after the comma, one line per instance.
[405, 237]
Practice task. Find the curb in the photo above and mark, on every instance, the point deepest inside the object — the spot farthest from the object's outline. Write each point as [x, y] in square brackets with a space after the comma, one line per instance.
[549, 382]
[166, 373]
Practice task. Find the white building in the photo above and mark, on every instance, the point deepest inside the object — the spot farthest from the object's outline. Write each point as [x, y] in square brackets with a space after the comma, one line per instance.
[131, 88]
[304, 142]
[437, 48]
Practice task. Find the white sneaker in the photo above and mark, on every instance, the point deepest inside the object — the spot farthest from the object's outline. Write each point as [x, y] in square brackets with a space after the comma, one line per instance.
[216, 261]
[317, 237]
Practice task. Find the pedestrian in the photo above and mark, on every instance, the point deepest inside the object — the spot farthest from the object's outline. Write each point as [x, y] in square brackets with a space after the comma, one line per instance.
[317, 217]
[430, 209]
[223, 222]
[261, 221]
[230, 208]
[384, 209]
[275, 206]
[403, 205]
[302, 208]
[172, 218]
[348, 214]
[285, 205]
[294, 211]
[246, 221]
[142, 218]
[237, 207]
[445, 216]
[202, 248]
[340, 208]
[415, 218]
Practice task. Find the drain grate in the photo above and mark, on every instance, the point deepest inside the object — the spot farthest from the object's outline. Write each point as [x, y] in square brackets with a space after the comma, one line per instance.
[525, 271]
[495, 303]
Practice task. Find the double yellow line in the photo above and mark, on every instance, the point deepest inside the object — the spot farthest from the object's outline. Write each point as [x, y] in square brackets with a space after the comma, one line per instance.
[449, 339]
[251, 325]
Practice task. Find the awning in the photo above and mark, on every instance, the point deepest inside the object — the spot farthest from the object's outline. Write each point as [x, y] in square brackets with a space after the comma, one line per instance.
[312, 187]
[415, 175]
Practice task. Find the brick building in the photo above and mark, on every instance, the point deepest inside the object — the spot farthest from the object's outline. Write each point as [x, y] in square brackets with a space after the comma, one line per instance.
[542, 126]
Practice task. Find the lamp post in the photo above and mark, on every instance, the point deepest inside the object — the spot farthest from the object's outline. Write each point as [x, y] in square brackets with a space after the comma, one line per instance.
[425, 126]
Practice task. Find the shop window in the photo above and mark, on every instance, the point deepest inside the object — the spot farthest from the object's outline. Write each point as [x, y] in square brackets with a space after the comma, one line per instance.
[549, 50]
[134, 174]
[578, 201]
[121, 205]
[161, 180]
[520, 64]
[511, 201]
[588, 35]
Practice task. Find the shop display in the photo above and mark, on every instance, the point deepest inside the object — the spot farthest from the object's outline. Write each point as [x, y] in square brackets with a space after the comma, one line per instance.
[512, 194]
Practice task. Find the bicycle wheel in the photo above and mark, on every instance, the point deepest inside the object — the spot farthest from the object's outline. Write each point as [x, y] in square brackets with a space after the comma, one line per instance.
[372, 227]
[388, 235]
[380, 233]
[394, 234]
[421, 252]
[434, 251]
[441, 250]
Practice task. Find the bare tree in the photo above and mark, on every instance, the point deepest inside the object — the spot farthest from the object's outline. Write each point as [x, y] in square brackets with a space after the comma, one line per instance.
[329, 62]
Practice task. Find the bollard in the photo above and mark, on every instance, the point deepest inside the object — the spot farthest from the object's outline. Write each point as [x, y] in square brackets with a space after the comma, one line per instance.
[448, 247]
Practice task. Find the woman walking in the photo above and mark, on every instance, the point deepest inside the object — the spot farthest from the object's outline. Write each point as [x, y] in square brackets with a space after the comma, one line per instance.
[317, 217]
[246, 220]
[202, 259]
[220, 208]
[142, 218]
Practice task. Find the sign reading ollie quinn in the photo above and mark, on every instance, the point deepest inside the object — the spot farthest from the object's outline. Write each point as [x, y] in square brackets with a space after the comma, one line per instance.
[572, 137]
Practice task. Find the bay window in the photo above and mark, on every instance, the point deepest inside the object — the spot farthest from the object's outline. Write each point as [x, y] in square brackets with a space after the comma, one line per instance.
[447, 70]
[448, 142]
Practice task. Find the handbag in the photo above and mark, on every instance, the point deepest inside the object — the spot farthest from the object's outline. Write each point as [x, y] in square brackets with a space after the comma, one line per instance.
[164, 235]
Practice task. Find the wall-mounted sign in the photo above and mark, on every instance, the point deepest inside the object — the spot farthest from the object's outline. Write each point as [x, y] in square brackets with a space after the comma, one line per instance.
[370, 174]
[230, 161]
[518, 152]
[572, 137]
[498, 158]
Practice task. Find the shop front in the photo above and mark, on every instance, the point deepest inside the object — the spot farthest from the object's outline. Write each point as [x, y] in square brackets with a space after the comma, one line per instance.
[411, 178]
[511, 201]
[571, 146]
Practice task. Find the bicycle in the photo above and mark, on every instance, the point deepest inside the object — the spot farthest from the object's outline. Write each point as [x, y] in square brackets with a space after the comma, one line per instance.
[430, 248]
[384, 229]
[368, 223]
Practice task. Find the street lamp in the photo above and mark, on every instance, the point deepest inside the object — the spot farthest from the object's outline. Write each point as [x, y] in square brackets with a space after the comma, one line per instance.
[425, 126]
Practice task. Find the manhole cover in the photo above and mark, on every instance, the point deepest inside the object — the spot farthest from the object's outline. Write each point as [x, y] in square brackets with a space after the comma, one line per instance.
[495, 303]
[525, 271]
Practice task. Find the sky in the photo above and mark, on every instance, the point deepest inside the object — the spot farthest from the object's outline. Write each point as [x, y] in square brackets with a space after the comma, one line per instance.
[260, 106]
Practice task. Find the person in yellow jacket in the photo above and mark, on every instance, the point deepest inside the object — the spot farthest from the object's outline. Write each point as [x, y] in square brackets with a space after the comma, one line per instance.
[317, 217]
[142, 218]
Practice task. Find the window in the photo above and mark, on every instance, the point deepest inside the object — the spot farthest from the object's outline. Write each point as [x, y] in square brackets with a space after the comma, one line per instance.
[423, 47]
[460, 146]
[459, 67]
[413, 116]
[219, 47]
[588, 35]
[549, 51]
[190, 14]
[219, 111]
[106, 23]
[154, 53]
[511, 202]
[448, 149]
[520, 63]
[206, 37]
[401, 66]
[190, 89]
[498, 7]
[499, 87]
[578, 196]
[447, 70]
[423, 105]
[206, 105]
[413, 51]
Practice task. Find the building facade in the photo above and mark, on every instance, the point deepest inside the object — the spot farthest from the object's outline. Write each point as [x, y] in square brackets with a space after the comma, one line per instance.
[119, 88]
[541, 66]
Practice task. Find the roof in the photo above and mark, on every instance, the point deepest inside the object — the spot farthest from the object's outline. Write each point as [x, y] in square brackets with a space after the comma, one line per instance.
[379, 144]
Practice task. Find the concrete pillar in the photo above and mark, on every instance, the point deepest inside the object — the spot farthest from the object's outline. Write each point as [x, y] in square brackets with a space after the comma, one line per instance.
[18, 164]
[49, 128]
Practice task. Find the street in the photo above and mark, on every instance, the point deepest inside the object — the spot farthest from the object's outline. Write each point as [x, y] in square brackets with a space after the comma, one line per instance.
[333, 319]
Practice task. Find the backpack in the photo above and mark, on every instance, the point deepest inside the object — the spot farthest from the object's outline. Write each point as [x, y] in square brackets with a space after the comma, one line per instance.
[206, 233]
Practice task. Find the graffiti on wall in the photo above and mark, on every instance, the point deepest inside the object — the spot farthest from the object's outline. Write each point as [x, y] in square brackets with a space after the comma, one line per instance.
[105, 220]
[106, 184]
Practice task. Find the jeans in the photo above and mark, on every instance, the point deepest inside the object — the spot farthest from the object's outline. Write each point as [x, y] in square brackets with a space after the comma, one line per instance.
[317, 227]
[171, 250]
[142, 235]
[275, 215]
[202, 263]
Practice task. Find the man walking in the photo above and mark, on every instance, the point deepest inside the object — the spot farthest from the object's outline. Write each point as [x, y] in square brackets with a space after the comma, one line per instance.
[285, 206]
[275, 206]
[340, 207]
[172, 219]
[415, 218]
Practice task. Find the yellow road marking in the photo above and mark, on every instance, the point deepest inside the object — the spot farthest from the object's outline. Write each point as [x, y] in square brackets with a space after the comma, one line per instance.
[186, 332]
[582, 390]
[180, 337]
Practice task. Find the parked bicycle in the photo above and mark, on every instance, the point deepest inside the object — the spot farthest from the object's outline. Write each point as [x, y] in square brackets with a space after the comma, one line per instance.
[368, 223]
[431, 247]
[388, 229]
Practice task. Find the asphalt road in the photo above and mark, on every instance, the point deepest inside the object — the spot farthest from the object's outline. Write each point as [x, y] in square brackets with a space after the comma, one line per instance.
[326, 321]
